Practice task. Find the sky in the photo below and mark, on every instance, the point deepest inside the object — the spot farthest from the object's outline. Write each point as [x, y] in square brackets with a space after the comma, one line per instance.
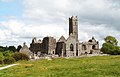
[21, 20]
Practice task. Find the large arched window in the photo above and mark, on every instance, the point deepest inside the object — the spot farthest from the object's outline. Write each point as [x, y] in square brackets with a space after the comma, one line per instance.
[93, 47]
[71, 47]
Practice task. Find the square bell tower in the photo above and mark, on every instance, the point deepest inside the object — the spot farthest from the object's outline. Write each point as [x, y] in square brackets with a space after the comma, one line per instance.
[73, 26]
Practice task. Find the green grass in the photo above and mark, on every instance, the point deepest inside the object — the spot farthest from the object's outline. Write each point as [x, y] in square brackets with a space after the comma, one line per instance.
[107, 66]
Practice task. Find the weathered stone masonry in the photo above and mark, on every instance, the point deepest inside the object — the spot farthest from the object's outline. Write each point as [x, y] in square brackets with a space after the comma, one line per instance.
[69, 47]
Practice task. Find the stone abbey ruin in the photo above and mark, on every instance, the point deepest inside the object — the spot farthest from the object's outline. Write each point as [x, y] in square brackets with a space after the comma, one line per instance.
[70, 47]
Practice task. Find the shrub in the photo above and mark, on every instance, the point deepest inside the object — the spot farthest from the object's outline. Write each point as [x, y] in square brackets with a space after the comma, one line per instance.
[9, 60]
[8, 53]
[20, 56]
[1, 62]
[1, 56]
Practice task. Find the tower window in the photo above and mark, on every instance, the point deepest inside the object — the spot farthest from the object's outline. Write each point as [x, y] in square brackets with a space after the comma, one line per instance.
[75, 23]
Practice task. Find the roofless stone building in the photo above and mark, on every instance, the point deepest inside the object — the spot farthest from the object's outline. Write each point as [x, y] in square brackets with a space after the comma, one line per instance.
[69, 47]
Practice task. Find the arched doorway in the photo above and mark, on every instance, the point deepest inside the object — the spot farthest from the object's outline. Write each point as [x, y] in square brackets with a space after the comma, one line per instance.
[76, 49]
[71, 47]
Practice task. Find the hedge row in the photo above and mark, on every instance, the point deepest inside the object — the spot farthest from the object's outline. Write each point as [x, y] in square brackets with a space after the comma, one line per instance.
[16, 57]
[20, 56]
[8, 60]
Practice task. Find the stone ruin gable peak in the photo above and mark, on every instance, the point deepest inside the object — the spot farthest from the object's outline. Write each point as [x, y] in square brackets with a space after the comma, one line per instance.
[25, 48]
[62, 39]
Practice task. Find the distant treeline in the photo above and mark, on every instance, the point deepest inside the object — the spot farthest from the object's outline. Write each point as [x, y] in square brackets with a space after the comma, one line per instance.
[10, 48]
[11, 54]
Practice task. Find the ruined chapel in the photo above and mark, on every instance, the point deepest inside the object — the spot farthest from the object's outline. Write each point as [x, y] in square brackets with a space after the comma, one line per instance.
[66, 47]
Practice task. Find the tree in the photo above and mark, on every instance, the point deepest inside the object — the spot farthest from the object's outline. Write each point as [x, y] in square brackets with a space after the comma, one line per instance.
[1, 49]
[8, 53]
[12, 48]
[19, 47]
[1, 56]
[110, 46]
[20, 56]
[112, 40]
[5, 48]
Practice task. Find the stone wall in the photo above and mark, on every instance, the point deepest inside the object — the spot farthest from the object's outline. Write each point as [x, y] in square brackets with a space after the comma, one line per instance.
[69, 47]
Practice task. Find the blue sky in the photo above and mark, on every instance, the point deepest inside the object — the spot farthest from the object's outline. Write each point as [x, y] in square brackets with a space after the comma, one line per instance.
[12, 8]
[21, 20]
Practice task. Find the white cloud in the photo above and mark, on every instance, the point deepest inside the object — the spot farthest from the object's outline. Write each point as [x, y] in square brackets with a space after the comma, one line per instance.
[15, 31]
[15, 26]
[87, 31]
[42, 18]
[56, 11]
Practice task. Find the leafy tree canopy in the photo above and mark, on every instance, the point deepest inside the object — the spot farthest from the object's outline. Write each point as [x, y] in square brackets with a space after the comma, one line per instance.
[19, 47]
[1, 56]
[111, 40]
[110, 46]
[8, 53]
[12, 48]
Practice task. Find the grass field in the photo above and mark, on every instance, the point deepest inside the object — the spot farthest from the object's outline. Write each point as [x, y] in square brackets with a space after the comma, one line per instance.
[107, 66]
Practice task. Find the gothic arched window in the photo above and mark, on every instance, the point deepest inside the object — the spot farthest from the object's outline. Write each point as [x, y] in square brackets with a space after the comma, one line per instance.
[93, 47]
[71, 47]
[84, 47]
